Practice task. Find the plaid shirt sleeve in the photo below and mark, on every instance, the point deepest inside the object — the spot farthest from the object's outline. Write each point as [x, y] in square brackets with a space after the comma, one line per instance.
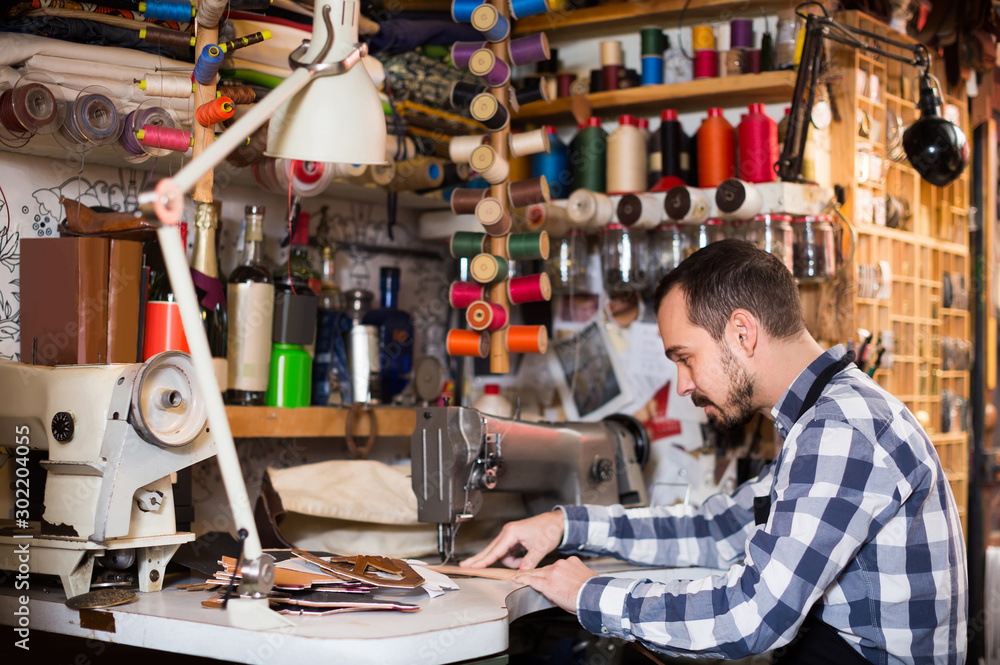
[835, 491]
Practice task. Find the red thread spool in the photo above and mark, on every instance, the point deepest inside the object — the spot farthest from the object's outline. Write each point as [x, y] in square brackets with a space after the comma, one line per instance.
[530, 288]
[463, 294]
[758, 141]
[167, 138]
[706, 64]
[716, 150]
[308, 172]
[483, 315]
[215, 111]
[468, 343]
[527, 339]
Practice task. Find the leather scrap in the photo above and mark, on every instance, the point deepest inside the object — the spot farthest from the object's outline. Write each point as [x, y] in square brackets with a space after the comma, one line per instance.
[82, 221]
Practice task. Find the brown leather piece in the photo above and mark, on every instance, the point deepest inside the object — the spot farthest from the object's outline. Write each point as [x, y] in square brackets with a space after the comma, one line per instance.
[267, 514]
[82, 221]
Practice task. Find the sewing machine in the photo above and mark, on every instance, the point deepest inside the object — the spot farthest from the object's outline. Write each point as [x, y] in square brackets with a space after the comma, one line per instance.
[457, 453]
[114, 434]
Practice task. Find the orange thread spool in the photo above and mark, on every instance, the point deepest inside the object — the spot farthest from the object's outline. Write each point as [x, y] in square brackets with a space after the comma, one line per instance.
[716, 150]
[527, 339]
[468, 343]
[215, 111]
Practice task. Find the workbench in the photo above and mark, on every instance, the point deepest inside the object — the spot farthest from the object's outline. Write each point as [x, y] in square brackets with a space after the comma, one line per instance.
[471, 623]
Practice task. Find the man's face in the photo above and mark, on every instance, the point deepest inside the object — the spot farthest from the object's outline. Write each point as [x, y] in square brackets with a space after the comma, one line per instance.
[708, 370]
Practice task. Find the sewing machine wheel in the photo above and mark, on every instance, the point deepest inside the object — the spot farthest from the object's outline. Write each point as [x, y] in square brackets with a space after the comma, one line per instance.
[167, 408]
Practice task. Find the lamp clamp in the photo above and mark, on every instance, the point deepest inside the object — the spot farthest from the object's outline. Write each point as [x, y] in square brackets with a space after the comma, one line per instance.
[319, 68]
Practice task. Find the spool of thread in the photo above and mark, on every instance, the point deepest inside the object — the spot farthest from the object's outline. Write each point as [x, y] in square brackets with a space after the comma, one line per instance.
[466, 244]
[487, 20]
[463, 294]
[688, 205]
[554, 165]
[135, 121]
[488, 269]
[215, 111]
[652, 70]
[528, 246]
[526, 339]
[463, 92]
[486, 109]
[589, 209]
[716, 150]
[533, 93]
[460, 147]
[210, 12]
[168, 38]
[464, 200]
[337, 170]
[706, 64]
[752, 61]
[527, 192]
[611, 53]
[528, 50]
[671, 143]
[162, 10]
[530, 288]
[528, 143]
[596, 80]
[588, 160]
[158, 85]
[493, 168]
[240, 94]
[564, 84]
[468, 343]
[243, 42]
[736, 199]
[29, 108]
[523, 8]
[379, 174]
[208, 65]
[461, 53]
[461, 10]
[626, 169]
[93, 119]
[758, 146]
[547, 216]
[652, 41]
[641, 211]
[165, 138]
[482, 315]
[520, 168]
[418, 174]
[495, 220]
[611, 77]
[702, 38]
[486, 65]
[741, 33]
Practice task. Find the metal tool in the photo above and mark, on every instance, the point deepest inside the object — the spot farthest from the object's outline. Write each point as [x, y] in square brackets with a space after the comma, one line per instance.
[458, 453]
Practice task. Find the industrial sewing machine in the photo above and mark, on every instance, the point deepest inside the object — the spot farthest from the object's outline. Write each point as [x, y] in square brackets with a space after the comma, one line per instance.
[114, 434]
[458, 453]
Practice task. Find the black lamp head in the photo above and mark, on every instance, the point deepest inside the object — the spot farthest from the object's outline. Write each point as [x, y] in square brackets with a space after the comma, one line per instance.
[936, 148]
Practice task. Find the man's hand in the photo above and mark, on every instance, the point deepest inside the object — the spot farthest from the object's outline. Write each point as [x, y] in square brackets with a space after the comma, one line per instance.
[539, 535]
[559, 582]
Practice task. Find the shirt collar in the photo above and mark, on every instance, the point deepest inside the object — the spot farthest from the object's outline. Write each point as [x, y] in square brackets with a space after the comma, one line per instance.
[787, 408]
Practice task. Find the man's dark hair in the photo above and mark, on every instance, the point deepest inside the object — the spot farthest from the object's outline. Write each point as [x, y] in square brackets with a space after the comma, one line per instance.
[734, 274]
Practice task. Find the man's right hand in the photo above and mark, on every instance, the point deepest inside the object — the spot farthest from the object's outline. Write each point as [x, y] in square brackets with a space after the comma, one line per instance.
[539, 535]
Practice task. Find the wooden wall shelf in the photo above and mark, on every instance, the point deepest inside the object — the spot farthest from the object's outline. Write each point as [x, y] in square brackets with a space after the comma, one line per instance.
[690, 95]
[623, 16]
[267, 422]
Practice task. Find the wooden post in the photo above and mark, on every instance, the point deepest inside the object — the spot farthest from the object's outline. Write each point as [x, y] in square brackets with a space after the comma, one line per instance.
[499, 358]
[203, 136]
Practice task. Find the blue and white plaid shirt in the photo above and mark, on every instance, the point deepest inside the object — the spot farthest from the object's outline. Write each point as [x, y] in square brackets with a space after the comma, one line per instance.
[863, 528]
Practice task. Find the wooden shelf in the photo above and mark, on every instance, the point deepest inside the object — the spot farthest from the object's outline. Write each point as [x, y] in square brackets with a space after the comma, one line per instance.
[267, 422]
[619, 17]
[690, 95]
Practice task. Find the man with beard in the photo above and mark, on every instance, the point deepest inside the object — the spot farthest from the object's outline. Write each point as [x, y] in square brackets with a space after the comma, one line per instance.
[847, 549]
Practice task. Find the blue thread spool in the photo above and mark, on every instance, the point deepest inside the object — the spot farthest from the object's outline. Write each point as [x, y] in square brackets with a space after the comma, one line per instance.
[487, 20]
[652, 70]
[208, 64]
[554, 165]
[461, 10]
[523, 8]
[160, 10]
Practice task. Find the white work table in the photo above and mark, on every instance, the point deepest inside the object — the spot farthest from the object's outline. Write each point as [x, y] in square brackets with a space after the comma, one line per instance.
[461, 625]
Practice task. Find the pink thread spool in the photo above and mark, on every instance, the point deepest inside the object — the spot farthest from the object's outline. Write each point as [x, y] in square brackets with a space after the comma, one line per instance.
[530, 288]
[706, 64]
[167, 138]
[482, 315]
[463, 294]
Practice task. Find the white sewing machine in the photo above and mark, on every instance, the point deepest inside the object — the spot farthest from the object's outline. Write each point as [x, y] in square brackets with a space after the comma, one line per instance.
[114, 435]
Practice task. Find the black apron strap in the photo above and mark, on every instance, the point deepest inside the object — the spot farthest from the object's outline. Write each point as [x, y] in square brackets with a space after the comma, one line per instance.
[817, 644]
[820, 383]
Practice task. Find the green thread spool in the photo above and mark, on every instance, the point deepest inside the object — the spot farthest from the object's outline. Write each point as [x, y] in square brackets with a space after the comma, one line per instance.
[489, 269]
[588, 157]
[466, 244]
[528, 246]
[653, 41]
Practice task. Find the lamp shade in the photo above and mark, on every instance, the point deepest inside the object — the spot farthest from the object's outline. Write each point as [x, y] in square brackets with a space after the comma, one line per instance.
[937, 149]
[335, 118]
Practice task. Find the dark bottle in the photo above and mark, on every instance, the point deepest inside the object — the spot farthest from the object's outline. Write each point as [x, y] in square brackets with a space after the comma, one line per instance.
[395, 336]
[297, 274]
[208, 284]
[329, 371]
[251, 313]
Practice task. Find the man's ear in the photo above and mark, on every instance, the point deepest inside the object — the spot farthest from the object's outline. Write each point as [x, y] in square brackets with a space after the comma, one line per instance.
[743, 330]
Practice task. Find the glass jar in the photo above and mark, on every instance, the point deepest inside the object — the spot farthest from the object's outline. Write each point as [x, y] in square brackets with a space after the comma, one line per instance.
[702, 234]
[623, 260]
[567, 263]
[814, 252]
[772, 233]
[667, 247]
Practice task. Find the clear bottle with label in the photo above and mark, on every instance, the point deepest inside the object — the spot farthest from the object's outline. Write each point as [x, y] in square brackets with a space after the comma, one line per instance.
[395, 336]
[251, 315]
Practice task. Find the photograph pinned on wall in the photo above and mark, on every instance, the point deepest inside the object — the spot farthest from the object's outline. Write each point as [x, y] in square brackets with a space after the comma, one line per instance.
[587, 374]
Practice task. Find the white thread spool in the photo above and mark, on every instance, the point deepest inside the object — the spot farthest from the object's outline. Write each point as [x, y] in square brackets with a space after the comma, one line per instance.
[460, 147]
[158, 85]
[548, 216]
[210, 12]
[492, 167]
[641, 211]
[626, 160]
[347, 170]
[736, 199]
[407, 148]
[528, 143]
[590, 209]
[611, 54]
[689, 205]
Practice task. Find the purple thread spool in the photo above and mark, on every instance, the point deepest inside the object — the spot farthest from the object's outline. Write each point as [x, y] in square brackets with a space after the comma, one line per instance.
[461, 52]
[487, 20]
[526, 50]
[494, 71]
[741, 33]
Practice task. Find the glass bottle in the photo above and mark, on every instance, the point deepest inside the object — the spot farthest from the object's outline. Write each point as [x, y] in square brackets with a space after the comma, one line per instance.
[702, 234]
[209, 287]
[395, 336]
[814, 251]
[567, 264]
[329, 371]
[623, 260]
[772, 233]
[251, 314]
[297, 274]
[667, 248]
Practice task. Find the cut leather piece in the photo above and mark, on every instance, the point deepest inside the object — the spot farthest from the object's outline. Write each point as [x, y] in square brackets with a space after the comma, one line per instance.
[283, 576]
[82, 221]
[345, 567]
[487, 573]
[335, 601]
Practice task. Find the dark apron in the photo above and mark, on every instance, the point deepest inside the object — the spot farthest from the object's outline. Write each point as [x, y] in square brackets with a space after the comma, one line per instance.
[817, 642]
